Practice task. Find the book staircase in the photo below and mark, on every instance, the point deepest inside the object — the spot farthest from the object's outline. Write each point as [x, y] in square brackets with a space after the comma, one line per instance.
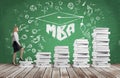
[81, 53]
[26, 63]
[61, 56]
[43, 59]
[101, 51]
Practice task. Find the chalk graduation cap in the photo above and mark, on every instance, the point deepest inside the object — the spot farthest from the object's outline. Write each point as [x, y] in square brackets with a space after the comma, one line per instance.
[60, 24]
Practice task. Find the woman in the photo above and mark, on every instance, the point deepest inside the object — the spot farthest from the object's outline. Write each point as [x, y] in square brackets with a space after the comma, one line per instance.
[16, 46]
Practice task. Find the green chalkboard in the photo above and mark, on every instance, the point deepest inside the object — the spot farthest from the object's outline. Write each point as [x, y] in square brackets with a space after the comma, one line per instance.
[44, 24]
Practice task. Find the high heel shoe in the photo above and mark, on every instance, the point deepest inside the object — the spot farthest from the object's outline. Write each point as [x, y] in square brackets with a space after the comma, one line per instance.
[14, 64]
[21, 59]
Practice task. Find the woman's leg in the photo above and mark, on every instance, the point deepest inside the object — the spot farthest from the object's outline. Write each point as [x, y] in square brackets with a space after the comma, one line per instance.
[21, 53]
[14, 58]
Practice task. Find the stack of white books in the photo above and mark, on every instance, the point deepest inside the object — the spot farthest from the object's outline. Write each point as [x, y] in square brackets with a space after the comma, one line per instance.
[26, 63]
[81, 53]
[101, 51]
[61, 56]
[43, 59]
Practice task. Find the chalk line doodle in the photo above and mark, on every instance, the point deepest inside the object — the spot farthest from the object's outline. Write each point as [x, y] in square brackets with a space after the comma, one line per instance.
[50, 4]
[88, 25]
[70, 5]
[43, 39]
[34, 31]
[58, 8]
[28, 58]
[33, 8]
[36, 40]
[33, 50]
[22, 27]
[60, 3]
[27, 30]
[30, 21]
[97, 18]
[24, 37]
[73, 16]
[23, 44]
[29, 46]
[84, 3]
[89, 10]
[36, 22]
[92, 19]
[44, 10]
[76, 10]
[81, 24]
[39, 5]
[77, 2]
[26, 16]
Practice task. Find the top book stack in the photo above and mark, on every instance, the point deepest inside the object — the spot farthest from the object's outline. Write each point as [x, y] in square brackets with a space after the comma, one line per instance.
[101, 51]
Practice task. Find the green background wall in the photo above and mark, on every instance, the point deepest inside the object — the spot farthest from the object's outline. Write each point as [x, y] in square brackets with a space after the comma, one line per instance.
[32, 32]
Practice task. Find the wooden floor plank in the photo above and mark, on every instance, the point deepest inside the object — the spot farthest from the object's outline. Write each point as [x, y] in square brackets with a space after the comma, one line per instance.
[48, 73]
[31, 73]
[15, 73]
[71, 73]
[23, 73]
[113, 72]
[88, 73]
[40, 72]
[56, 73]
[103, 72]
[64, 73]
[95, 72]
[3, 66]
[79, 72]
[10, 71]
[6, 69]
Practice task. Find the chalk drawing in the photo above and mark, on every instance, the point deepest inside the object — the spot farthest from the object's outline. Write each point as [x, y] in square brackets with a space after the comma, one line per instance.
[29, 46]
[70, 5]
[36, 22]
[88, 25]
[33, 8]
[24, 37]
[34, 31]
[84, 3]
[27, 30]
[22, 27]
[30, 21]
[50, 4]
[81, 24]
[33, 50]
[43, 39]
[36, 40]
[26, 16]
[57, 8]
[39, 5]
[28, 58]
[77, 2]
[89, 10]
[76, 10]
[60, 3]
[92, 19]
[23, 44]
[97, 18]
[44, 10]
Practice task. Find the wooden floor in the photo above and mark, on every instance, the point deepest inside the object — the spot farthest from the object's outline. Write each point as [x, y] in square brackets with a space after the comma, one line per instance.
[10, 71]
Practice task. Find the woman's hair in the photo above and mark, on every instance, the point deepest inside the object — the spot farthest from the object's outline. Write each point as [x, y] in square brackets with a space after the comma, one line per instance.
[15, 29]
